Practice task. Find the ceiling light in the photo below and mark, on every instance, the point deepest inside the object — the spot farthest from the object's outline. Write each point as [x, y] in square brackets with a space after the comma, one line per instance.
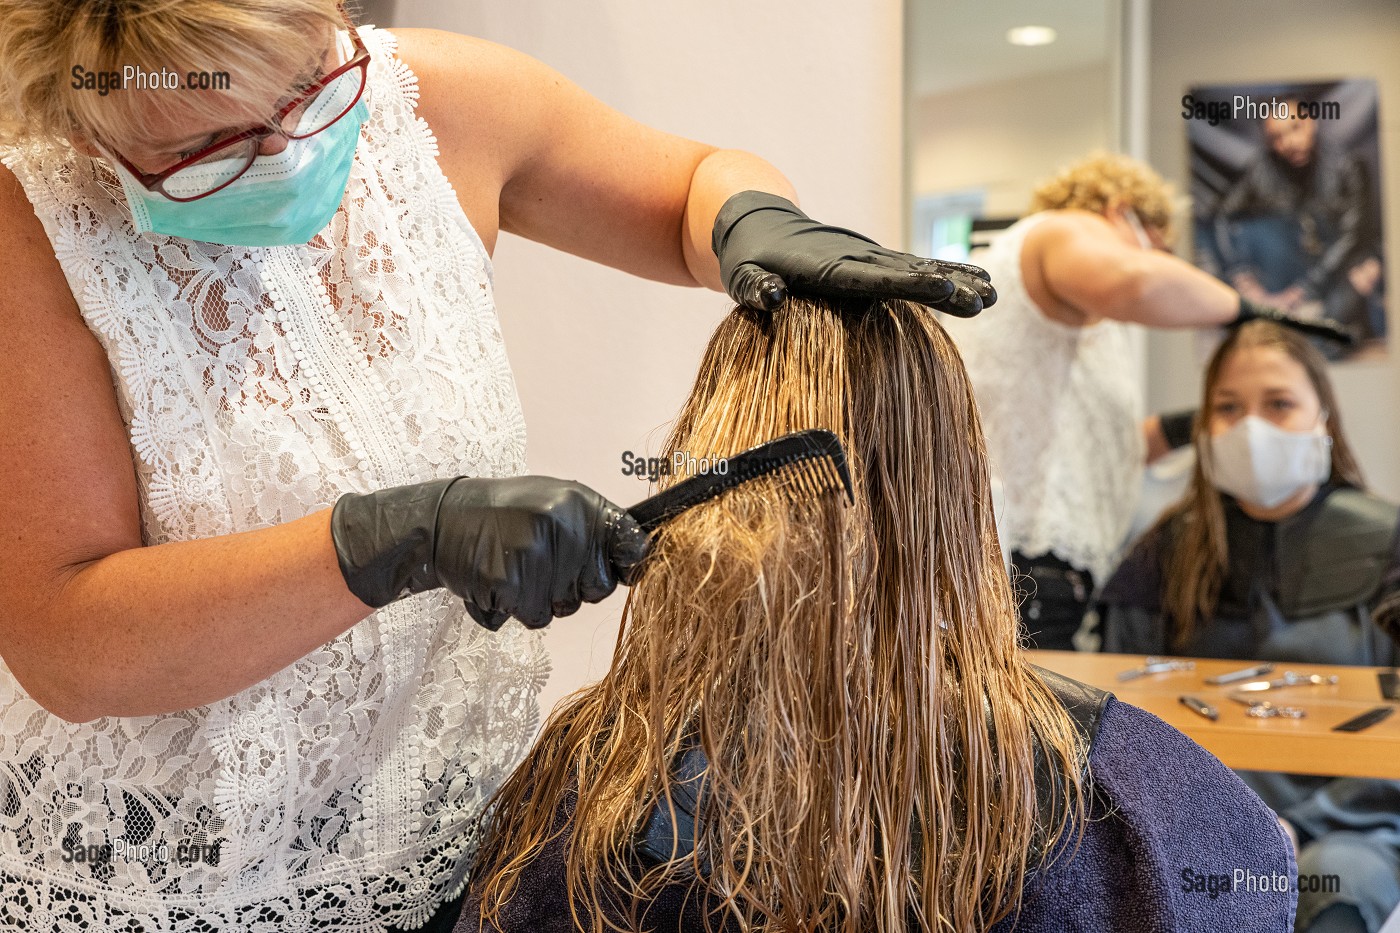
[1030, 35]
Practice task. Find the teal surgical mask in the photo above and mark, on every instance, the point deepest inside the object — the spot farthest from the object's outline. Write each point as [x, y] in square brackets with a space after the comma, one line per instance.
[281, 200]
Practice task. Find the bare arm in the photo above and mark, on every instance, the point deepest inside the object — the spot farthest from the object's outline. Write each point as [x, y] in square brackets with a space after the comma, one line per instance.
[92, 623]
[722, 174]
[1157, 446]
[570, 171]
[1090, 273]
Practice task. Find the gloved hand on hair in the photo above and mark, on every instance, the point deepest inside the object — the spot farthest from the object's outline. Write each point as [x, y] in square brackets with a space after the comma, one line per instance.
[768, 248]
[1313, 327]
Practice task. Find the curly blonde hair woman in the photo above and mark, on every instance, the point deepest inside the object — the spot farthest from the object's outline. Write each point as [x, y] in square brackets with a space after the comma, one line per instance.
[1104, 183]
[843, 691]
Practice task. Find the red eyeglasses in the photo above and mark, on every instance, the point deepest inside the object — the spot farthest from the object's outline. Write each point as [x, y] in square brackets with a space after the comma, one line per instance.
[220, 164]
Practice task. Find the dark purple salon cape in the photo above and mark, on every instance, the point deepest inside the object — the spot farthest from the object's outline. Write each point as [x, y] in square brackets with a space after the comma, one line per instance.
[1175, 843]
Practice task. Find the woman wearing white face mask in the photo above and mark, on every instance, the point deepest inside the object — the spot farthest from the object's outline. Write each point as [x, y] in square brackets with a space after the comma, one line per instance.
[1265, 466]
[1057, 379]
[1277, 552]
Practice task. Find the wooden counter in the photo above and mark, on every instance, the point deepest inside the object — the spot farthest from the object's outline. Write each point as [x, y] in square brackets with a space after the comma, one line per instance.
[1305, 746]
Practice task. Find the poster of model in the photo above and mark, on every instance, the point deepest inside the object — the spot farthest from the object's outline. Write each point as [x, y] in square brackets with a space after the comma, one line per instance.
[1286, 195]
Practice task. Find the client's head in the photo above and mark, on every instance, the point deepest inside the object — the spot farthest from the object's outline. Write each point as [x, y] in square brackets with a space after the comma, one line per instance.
[831, 660]
[1269, 434]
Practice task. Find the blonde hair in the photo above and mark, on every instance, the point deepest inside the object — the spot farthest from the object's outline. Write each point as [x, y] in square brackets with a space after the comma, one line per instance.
[43, 41]
[851, 673]
[1198, 558]
[1104, 179]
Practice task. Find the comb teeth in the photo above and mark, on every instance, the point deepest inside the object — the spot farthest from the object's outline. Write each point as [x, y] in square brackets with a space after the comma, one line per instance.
[808, 464]
[807, 478]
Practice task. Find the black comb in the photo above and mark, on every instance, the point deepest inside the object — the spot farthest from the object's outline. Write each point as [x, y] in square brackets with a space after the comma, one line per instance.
[818, 455]
[1366, 720]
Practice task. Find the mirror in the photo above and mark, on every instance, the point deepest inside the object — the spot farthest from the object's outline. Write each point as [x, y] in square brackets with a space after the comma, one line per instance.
[987, 119]
[999, 95]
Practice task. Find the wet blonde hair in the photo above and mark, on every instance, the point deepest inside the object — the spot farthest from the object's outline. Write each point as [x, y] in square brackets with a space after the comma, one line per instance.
[1104, 179]
[852, 673]
[41, 41]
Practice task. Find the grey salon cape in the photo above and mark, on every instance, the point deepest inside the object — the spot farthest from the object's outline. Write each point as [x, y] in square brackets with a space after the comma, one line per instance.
[1320, 587]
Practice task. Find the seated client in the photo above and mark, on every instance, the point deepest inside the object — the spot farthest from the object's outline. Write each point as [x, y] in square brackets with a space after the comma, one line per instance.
[1278, 553]
[818, 716]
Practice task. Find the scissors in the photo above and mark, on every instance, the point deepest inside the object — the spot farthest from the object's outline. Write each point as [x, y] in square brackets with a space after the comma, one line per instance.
[1263, 709]
[1154, 665]
[1289, 679]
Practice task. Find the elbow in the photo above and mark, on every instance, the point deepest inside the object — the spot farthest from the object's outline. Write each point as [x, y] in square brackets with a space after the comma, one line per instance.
[61, 700]
[1128, 296]
[56, 662]
[57, 684]
[75, 714]
[1117, 289]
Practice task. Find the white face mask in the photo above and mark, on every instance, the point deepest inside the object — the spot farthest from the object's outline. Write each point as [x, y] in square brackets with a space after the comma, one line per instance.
[1266, 465]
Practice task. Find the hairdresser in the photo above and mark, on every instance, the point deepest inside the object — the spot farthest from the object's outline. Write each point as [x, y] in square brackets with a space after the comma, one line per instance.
[1058, 380]
[261, 444]
[1278, 553]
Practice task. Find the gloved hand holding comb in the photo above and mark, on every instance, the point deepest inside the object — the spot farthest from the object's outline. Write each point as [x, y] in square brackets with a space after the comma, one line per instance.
[532, 547]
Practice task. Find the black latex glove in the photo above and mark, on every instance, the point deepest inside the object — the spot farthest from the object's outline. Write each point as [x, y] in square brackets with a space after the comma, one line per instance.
[532, 547]
[1317, 327]
[767, 248]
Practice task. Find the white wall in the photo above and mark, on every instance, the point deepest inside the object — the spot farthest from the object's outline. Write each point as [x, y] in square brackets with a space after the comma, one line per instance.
[1008, 136]
[603, 360]
[1208, 42]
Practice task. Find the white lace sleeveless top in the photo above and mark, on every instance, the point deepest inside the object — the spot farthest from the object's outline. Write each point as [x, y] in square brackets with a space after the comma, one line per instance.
[346, 792]
[1061, 407]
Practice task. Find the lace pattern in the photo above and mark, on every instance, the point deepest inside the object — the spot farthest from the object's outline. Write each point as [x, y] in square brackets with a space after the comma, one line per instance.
[344, 793]
[1061, 407]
